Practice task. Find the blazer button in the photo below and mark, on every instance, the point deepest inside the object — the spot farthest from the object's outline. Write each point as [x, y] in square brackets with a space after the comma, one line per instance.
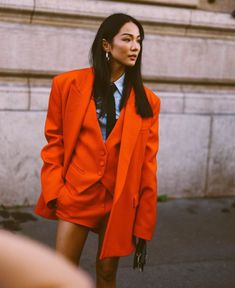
[100, 173]
[102, 152]
[102, 163]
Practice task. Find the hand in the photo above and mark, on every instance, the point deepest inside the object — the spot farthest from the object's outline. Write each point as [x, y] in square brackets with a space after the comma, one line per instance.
[140, 255]
[52, 204]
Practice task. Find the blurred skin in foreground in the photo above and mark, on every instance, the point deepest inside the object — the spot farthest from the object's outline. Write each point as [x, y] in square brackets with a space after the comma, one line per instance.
[27, 264]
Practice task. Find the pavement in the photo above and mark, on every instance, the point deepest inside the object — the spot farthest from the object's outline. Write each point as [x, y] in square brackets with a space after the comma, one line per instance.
[193, 244]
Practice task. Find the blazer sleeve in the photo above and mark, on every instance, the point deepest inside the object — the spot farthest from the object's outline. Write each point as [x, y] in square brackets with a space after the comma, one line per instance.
[146, 210]
[53, 152]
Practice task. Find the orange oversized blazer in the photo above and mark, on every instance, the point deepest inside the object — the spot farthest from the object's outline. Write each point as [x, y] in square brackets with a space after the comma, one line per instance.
[135, 196]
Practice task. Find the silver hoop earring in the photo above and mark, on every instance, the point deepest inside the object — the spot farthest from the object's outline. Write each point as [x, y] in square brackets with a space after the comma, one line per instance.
[107, 56]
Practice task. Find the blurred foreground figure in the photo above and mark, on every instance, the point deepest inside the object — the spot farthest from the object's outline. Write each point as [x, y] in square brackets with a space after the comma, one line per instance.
[26, 264]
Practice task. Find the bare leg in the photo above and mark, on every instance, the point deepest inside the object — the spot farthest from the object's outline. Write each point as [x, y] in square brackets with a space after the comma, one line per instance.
[106, 269]
[70, 240]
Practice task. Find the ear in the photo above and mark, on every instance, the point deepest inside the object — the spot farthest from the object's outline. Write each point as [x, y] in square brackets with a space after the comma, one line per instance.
[106, 46]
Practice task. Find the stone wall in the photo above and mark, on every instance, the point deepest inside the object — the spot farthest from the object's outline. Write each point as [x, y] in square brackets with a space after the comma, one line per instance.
[188, 61]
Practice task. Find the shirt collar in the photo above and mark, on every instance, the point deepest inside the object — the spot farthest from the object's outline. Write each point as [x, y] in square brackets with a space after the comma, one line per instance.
[119, 83]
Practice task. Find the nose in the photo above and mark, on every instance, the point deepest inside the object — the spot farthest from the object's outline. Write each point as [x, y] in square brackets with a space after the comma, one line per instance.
[135, 45]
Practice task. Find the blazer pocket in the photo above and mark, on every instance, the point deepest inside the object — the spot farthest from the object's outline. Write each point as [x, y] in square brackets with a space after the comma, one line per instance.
[143, 130]
[145, 127]
[77, 168]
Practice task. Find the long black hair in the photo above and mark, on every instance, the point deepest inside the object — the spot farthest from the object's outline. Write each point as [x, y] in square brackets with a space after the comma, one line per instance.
[107, 30]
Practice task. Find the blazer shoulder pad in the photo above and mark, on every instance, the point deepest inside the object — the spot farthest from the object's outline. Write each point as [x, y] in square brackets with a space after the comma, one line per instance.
[68, 77]
[153, 98]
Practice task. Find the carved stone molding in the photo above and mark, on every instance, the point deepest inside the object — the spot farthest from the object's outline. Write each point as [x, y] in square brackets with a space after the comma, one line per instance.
[182, 3]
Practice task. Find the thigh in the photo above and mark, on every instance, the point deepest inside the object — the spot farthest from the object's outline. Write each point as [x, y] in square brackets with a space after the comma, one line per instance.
[70, 240]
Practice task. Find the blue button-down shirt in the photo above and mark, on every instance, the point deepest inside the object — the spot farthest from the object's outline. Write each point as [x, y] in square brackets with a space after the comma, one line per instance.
[117, 96]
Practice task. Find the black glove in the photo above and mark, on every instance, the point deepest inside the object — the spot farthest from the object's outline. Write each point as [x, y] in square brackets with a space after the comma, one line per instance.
[140, 255]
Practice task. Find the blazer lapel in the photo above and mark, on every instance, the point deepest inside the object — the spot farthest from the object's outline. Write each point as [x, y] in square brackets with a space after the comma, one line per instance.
[131, 126]
[76, 107]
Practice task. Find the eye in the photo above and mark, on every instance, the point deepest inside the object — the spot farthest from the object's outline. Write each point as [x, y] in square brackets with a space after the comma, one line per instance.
[127, 39]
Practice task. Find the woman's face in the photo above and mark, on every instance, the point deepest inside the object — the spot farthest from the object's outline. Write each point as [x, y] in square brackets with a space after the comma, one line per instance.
[125, 46]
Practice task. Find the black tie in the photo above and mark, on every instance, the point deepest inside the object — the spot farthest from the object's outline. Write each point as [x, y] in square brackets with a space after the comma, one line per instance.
[111, 111]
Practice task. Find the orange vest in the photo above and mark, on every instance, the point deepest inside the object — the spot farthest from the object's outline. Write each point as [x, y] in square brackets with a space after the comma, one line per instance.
[85, 169]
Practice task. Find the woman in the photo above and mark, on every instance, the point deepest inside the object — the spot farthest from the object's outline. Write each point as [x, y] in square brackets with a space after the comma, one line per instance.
[99, 170]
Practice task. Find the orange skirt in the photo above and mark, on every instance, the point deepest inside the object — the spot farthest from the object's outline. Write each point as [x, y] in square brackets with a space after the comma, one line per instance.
[88, 208]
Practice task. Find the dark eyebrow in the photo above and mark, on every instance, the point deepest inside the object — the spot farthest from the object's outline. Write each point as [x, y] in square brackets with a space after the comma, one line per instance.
[129, 34]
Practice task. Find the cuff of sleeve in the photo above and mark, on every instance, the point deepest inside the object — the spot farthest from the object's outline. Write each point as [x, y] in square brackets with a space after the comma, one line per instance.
[49, 199]
[51, 196]
[140, 232]
[49, 206]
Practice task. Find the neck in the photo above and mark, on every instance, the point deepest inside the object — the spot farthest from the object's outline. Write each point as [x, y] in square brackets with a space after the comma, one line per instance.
[117, 71]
